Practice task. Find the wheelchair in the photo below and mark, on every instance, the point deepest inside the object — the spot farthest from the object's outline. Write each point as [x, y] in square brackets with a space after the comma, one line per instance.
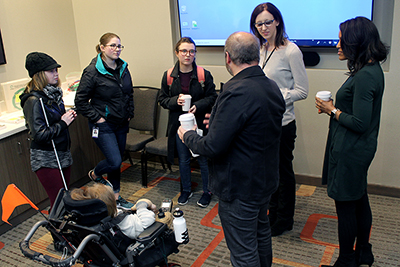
[93, 238]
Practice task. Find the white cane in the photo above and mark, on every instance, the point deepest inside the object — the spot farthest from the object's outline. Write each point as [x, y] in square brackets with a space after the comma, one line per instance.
[54, 147]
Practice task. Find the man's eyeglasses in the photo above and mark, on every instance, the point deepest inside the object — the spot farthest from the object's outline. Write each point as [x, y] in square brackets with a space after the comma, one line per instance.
[115, 46]
[191, 52]
[267, 23]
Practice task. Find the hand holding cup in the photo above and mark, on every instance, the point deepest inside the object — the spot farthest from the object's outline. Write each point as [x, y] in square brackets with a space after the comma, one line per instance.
[324, 96]
[184, 101]
[324, 102]
[188, 121]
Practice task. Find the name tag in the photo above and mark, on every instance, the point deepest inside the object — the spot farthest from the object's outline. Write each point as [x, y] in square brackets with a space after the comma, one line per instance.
[95, 132]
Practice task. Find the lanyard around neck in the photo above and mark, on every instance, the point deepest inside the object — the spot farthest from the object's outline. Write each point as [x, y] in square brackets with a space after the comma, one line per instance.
[267, 58]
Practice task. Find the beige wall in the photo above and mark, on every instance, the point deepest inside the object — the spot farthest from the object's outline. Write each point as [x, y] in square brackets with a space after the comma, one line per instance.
[70, 29]
[144, 29]
[46, 25]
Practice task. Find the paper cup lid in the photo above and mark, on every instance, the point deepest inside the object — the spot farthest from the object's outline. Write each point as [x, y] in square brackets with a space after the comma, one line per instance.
[186, 117]
[324, 93]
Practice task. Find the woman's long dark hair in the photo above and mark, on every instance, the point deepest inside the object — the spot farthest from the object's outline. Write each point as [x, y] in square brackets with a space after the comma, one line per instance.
[361, 44]
[281, 35]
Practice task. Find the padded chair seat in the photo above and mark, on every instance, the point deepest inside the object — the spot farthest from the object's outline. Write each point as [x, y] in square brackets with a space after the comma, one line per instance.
[158, 147]
[136, 141]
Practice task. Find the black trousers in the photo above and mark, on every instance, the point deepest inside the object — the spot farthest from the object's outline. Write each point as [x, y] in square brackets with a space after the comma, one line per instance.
[354, 222]
[281, 208]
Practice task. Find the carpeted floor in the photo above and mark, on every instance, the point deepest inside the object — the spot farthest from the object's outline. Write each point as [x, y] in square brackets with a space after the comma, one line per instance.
[312, 242]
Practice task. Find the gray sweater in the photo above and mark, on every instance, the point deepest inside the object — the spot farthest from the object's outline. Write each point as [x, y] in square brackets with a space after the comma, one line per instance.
[286, 68]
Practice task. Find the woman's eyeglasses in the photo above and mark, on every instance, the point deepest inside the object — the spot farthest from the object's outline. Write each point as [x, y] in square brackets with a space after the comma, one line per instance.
[191, 52]
[267, 23]
[115, 46]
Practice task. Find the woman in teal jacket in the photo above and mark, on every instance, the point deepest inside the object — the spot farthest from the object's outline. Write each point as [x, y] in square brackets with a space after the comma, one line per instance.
[352, 138]
[105, 97]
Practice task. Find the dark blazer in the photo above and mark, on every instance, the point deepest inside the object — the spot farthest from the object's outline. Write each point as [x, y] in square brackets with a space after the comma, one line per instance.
[203, 96]
[110, 98]
[352, 141]
[243, 137]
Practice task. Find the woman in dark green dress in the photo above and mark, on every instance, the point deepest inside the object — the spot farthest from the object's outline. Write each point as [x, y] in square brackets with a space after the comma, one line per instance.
[352, 138]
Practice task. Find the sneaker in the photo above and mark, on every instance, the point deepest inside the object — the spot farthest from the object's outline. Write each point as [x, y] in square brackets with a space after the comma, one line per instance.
[205, 199]
[123, 204]
[183, 199]
[99, 179]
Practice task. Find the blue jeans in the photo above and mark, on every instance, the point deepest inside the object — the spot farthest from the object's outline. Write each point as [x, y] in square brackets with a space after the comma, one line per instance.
[111, 141]
[184, 157]
[247, 231]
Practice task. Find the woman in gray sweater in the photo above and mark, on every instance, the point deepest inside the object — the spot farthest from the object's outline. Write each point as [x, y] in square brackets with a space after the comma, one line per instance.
[281, 61]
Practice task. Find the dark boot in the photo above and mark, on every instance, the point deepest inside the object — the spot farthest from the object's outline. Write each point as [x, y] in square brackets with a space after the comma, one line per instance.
[364, 255]
[278, 229]
[344, 260]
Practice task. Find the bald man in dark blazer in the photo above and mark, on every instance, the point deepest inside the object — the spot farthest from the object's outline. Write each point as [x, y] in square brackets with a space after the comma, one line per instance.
[243, 147]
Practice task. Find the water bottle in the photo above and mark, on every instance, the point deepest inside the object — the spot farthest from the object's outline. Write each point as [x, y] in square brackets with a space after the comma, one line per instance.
[179, 225]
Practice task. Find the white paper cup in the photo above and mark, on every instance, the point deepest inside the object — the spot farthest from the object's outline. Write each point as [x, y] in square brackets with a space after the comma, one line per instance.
[324, 95]
[186, 105]
[188, 121]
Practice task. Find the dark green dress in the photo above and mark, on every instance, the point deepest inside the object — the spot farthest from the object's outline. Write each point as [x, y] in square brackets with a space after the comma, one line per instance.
[352, 140]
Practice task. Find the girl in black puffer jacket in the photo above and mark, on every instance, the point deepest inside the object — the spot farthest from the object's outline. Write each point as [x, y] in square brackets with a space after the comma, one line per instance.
[105, 97]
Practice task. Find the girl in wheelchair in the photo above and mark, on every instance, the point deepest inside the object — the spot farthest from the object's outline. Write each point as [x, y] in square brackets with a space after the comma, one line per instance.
[88, 224]
[133, 224]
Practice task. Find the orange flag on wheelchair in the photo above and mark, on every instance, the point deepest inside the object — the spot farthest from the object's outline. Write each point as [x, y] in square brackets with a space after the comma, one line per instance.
[12, 198]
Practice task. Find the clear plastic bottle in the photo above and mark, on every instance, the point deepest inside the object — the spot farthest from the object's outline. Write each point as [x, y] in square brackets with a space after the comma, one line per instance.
[179, 225]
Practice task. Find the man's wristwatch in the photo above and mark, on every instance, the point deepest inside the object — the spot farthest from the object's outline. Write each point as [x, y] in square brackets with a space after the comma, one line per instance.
[333, 112]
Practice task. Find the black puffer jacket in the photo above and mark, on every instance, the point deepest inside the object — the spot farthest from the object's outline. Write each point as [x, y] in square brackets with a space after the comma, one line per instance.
[40, 134]
[110, 98]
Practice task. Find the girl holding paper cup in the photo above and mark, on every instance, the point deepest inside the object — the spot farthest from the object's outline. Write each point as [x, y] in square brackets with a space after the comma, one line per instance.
[173, 96]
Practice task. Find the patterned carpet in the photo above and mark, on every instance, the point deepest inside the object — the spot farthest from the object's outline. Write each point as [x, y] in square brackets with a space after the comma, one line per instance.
[312, 242]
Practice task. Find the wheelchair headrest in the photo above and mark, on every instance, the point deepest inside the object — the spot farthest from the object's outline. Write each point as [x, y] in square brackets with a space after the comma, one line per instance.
[89, 212]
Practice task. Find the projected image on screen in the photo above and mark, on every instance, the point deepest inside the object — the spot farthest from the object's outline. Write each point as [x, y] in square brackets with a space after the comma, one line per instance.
[307, 22]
